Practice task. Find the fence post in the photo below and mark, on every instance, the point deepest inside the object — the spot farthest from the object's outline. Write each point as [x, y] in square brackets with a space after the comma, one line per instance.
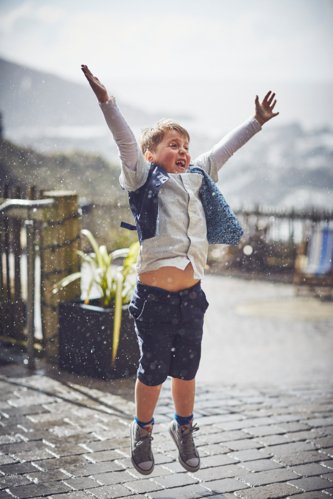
[60, 241]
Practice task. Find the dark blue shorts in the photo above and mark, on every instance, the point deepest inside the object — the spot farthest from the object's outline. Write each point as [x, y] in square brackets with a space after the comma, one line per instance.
[169, 328]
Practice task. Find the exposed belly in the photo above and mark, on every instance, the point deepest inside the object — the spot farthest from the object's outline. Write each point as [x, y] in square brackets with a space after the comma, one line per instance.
[169, 278]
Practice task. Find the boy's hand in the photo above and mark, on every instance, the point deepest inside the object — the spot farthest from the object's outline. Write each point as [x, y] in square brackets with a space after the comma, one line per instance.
[98, 87]
[264, 109]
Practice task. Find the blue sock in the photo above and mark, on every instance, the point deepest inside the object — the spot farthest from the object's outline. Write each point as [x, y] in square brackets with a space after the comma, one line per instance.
[181, 420]
[142, 423]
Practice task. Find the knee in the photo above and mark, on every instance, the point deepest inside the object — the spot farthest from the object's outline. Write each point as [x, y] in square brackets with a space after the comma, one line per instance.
[154, 374]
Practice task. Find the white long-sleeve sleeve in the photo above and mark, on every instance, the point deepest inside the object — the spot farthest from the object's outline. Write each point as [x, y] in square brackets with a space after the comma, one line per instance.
[213, 160]
[134, 170]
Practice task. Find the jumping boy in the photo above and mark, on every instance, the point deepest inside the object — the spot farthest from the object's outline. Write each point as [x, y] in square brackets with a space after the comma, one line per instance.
[168, 304]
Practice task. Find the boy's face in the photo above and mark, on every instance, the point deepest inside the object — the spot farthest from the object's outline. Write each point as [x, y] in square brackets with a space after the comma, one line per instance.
[172, 153]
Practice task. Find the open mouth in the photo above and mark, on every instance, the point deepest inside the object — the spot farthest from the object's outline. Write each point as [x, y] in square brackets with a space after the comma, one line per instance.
[181, 163]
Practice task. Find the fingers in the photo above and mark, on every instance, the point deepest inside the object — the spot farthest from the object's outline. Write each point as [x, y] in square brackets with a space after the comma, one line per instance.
[269, 97]
[86, 71]
[273, 105]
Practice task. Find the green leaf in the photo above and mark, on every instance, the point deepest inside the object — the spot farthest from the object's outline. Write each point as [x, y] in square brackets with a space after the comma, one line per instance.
[66, 281]
[94, 245]
[117, 317]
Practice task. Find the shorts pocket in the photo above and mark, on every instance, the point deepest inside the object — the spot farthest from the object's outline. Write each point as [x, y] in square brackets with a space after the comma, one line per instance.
[203, 302]
[136, 308]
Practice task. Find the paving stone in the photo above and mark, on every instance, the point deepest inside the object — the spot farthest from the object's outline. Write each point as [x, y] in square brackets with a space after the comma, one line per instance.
[13, 481]
[273, 439]
[247, 443]
[225, 485]
[81, 483]
[237, 425]
[114, 491]
[211, 438]
[329, 491]
[305, 457]
[273, 491]
[106, 445]
[328, 464]
[5, 495]
[329, 476]
[41, 489]
[290, 448]
[212, 449]
[4, 459]
[312, 495]
[68, 450]
[328, 451]
[218, 472]
[294, 427]
[61, 463]
[261, 465]
[18, 468]
[8, 439]
[314, 422]
[250, 454]
[44, 476]
[30, 400]
[262, 431]
[323, 441]
[189, 492]
[93, 468]
[72, 495]
[175, 480]
[230, 436]
[143, 486]
[210, 461]
[35, 455]
[97, 457]
[311, 469]
[269, 477]
[310, 484]
[136, 496]
[114, 477]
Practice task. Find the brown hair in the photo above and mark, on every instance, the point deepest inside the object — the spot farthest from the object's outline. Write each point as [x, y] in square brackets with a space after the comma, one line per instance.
[151, 137]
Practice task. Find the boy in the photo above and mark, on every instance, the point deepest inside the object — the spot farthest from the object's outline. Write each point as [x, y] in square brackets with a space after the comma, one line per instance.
[168, 304]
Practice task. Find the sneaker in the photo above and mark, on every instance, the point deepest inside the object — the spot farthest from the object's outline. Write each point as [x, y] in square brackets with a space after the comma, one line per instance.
[182, 435]
[141, 453]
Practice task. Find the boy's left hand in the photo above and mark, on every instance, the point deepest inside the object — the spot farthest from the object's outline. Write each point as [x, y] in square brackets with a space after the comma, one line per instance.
[264, 109]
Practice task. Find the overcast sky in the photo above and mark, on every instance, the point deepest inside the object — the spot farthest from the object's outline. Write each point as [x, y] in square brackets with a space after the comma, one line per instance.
[183, 55]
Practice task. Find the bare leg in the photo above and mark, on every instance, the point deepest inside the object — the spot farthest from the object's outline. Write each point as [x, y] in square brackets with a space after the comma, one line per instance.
[146, 398]
[183, 394]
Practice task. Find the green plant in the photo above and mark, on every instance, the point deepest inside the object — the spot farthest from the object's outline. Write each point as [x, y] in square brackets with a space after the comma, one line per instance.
[114, 282]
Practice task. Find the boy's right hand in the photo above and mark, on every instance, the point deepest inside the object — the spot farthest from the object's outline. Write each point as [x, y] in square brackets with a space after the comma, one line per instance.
[98, 87]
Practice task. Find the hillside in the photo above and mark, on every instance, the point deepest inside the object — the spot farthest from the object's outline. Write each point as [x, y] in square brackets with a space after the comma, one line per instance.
[90, 176]
[282, 167]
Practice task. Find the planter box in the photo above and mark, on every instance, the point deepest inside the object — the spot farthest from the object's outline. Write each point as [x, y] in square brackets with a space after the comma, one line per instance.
[85, 341]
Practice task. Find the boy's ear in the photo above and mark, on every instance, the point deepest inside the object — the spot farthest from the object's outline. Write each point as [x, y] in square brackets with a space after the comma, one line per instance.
[149, 156]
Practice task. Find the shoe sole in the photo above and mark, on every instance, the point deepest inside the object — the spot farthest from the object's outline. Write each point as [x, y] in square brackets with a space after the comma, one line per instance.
[136, 466]
[184, 465]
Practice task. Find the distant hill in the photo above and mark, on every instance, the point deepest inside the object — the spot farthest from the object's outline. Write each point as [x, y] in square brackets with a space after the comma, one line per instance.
[90, 176]
[283, 166]
[31, 98]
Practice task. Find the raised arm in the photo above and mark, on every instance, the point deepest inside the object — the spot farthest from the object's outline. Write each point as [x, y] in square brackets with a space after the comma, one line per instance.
[134, 166]
[213, 160]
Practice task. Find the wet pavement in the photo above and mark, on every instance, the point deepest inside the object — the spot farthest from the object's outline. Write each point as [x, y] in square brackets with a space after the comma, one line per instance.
[264, 407]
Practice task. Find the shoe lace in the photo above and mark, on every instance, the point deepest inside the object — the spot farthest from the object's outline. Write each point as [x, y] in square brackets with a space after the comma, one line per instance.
[142, 445]
[187, 438]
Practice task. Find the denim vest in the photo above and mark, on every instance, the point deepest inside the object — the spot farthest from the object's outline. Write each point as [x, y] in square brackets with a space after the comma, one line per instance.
[222, 224]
